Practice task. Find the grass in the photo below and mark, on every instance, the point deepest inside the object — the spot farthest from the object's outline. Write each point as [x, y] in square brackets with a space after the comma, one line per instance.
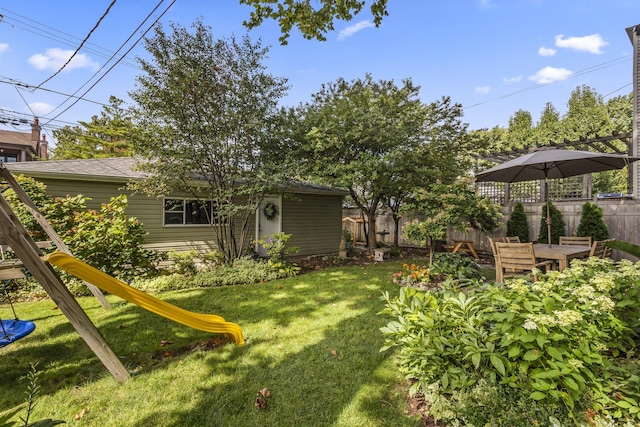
[312, 341]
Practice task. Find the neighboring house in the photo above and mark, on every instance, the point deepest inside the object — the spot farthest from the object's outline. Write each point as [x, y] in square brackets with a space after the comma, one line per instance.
[23, 146]
[312, 214]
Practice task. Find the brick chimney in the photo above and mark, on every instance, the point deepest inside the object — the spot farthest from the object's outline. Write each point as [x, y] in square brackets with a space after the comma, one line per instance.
[43, 149]
[35, 132]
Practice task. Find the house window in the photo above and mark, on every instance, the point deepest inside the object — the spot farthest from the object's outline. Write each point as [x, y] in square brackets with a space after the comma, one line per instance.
[188, 212]
[9, 158]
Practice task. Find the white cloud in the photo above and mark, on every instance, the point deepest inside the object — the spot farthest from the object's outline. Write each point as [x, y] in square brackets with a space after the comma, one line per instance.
[550, 75]
[591, 44]
[546, 51]
[4, 47]
[55, 58]
[483, 89]
[41, 108]
[510, 80]
[351, 30]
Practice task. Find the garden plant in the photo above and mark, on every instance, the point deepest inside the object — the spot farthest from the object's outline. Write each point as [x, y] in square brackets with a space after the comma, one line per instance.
[559, 351]
[592, 223]
[517, 224]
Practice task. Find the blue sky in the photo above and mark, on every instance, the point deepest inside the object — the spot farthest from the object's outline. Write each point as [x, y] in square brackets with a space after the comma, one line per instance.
[492, 56]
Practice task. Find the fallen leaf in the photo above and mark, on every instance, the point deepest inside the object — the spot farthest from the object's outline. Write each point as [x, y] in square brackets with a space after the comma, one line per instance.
[260, 403]
[333, 352]
[265, 392]
[81, 414]
[163, 343]
[124, 325]
[280, 287]
[166, 354]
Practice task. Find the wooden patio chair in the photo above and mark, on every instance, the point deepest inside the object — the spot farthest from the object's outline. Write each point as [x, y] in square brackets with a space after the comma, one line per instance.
[512, 239]
[573, 240]
[492, 243]
[599, 250]
[515, 259]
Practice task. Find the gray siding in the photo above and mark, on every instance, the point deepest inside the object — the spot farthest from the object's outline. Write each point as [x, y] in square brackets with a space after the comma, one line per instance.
[314, 222]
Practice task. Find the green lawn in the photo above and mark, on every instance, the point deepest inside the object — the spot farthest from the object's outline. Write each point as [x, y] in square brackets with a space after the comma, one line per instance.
[312, 341]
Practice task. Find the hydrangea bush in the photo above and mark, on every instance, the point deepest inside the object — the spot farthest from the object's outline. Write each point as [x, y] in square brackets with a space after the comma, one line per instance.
[558, 342]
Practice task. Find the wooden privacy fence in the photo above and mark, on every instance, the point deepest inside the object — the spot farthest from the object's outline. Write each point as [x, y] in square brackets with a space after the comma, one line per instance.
[622, 216]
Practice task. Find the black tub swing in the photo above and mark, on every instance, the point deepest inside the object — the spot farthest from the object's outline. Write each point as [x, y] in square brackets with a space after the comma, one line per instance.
[13, 330]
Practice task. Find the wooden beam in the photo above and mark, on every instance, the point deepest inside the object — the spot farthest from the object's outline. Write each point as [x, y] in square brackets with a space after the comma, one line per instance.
[27, 250]
[46, 226]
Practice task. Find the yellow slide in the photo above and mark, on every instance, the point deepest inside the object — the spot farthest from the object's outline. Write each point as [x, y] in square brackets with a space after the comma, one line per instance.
[203, 322]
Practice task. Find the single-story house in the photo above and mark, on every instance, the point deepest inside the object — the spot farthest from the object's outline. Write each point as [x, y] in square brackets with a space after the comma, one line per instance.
[312, 215]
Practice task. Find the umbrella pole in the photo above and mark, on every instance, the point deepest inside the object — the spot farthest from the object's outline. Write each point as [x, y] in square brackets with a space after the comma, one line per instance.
[546, 200]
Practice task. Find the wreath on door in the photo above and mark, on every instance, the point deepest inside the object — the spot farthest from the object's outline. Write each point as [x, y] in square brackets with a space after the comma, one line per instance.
[270, 210]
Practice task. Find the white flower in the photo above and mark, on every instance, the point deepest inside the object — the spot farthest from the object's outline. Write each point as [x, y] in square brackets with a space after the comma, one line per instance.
[530, 325]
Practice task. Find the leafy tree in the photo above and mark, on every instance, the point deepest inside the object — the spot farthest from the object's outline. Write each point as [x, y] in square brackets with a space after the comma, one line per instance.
[423, 166]
[312, 19]
[592, 223]
[372, 138]
[586, 116]
[103, 136]
[549, 127]
[517, 225]
[456, 205]
[209, 126]
[558, 226]
[520, 130]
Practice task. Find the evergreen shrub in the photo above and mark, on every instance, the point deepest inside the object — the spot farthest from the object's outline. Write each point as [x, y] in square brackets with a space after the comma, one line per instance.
[517, 225]
[558, 226]
[592, 223]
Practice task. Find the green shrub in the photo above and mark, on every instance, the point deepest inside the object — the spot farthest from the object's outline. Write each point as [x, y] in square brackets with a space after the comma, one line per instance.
[277, 252]
[558, 227]
[592, 223]
[243, 271]
[455, 266]
[517, 224]
[553, 341]
[183, 262]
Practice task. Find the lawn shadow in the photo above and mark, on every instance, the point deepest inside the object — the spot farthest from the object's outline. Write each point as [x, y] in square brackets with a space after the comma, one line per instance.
[346, 351]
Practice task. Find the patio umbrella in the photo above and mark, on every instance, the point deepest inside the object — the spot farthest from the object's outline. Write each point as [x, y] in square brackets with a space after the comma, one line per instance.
[548, 163]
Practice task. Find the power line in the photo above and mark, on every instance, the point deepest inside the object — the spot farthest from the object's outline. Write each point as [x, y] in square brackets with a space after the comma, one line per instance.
[598, 67]
[106, 12]
[40, 29]
[19, 84]
[116, 63]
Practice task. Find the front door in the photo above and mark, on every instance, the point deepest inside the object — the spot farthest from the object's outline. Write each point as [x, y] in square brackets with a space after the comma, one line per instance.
[269, 219]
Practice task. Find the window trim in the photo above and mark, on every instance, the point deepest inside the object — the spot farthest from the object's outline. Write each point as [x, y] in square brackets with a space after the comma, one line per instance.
[214, 218]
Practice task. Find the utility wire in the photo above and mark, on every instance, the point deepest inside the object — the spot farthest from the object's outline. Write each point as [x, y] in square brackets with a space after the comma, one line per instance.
[39, 29]
[31, 88]
[116, 63]
[597, 67]
[81, 44]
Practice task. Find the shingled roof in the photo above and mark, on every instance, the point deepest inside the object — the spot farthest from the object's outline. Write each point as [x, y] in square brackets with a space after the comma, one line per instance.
[121, 169]
[17, 138]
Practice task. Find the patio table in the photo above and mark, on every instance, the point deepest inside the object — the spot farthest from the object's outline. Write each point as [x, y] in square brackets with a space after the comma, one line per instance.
[561, 253]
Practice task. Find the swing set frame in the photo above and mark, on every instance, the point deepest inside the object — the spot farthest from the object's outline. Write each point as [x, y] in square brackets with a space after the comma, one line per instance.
[30, 255]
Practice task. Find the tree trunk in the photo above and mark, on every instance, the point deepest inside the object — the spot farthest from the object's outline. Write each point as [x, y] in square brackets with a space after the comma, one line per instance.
[396, 232]
[371, 231]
